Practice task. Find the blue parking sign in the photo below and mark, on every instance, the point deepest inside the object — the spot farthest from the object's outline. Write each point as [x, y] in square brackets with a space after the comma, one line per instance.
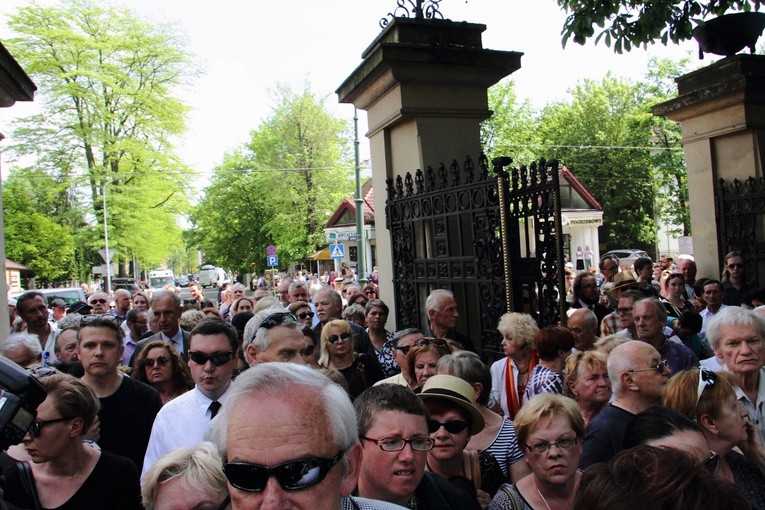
[272, 260]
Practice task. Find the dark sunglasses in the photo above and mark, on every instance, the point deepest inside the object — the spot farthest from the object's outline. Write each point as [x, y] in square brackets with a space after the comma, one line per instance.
[735, 266]
[99, 320]
[37, 426]
[344, 337]
[438, 343]
[305, 315]
[451, 426]
[218, 359]
[161, 361]
[277, 319]
[98, 302]
[293, 475]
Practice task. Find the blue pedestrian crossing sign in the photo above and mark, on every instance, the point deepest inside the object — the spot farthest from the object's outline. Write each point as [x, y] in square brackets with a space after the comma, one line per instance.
[272, 260]
[337, 251]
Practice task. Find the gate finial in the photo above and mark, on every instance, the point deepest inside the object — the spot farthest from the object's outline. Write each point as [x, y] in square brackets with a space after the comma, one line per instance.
[418, 9]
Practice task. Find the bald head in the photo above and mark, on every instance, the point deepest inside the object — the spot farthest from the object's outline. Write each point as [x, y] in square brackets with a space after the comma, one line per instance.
[631, 368]
[122, 302]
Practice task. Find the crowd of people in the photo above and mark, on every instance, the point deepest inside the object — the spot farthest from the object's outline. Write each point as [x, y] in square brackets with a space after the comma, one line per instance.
[300, 398]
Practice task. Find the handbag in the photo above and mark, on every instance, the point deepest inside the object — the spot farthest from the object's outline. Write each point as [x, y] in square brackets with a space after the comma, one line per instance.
[28, 482]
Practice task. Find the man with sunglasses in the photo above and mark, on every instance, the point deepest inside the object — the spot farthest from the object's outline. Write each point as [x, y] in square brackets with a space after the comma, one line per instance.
[128, 407]
[273, 335]
[182, 422]
[393, 428]
[288, 439]
[403, 340]
[638, 376]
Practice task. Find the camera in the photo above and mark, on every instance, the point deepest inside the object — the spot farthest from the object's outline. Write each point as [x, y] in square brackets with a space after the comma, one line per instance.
[20, 394]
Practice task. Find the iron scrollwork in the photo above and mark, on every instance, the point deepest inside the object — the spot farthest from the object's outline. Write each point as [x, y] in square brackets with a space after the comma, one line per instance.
[418, 9]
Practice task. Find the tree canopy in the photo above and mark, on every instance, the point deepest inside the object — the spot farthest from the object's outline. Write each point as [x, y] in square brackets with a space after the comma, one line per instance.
[628, 23]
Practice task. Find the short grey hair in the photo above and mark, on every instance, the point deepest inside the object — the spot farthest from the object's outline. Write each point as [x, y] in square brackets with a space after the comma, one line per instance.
[435, 297]
[403, 333]
[16, 340]
[70, 321]
[284, 381]
[354, 311]
[658, 308]
[199, 467]
[297, 284]
[337, 299]
[261, 337]
[166, 294]
[733, 316]
[590, 319]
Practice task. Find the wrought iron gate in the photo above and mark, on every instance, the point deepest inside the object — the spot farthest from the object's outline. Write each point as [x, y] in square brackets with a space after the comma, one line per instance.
[483, 233]
[740, 215]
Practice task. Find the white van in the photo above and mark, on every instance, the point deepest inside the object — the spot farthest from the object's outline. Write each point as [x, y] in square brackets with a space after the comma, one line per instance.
[159, 278]
[211, 276]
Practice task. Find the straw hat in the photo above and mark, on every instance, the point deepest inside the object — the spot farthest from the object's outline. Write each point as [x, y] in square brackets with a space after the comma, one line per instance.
[623, 281]
[457, 391]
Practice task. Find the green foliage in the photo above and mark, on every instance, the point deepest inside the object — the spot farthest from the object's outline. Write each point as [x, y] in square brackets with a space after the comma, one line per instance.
[106, 81]
[280, 188]
[629, 23]
[512, 129]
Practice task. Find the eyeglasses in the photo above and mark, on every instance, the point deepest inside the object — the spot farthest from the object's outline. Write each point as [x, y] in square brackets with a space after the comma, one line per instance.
[562, 444]
[305, 315]
[343, 337]
[277, 319]
[624, 311]
[659, 367]
[735, 266]
[293, 475]
[37, 426]
[452, 426]
[162, 361]
[218, 358]
[370, 292]
[308, 350]
[396, 444]
[438, 343]
[706, 378]
[98, 302]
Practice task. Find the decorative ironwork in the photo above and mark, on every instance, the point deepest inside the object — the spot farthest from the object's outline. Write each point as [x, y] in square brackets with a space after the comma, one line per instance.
[419, 9]
[463, 228]
[740, 215]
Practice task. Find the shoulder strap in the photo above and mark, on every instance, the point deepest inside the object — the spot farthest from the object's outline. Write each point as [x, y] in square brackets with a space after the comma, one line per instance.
[475, 468]
[28, 482]
[515, 498]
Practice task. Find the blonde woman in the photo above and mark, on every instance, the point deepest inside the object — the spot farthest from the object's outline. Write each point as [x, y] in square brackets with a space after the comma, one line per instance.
[361, 371]
[510, 375]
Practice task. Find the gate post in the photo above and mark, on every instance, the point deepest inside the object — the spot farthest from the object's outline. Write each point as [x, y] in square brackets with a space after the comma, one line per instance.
[721, 109]
[423, 84]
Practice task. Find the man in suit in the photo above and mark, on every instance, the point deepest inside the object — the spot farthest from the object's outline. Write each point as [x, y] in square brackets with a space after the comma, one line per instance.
[166, 306]
[586, 295]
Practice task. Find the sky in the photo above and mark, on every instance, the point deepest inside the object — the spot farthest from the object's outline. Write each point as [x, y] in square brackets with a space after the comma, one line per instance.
[244, 48]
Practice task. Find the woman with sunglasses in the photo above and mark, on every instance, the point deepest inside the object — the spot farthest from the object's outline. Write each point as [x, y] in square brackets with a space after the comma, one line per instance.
[454, 420]
[709, 398]
[303, 312]
[163, 369]
[422, 358]
[376, 315]
[361, 371]
[67, 474]
[550, 432]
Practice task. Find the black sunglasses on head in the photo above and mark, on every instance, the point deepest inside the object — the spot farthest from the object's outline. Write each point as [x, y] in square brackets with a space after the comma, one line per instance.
[438, 343]
[218, 358]
[277, 319]
[293, 475]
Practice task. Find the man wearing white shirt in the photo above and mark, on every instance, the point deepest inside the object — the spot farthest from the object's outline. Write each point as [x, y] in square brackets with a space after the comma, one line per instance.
[182, 422]
[713, 296]
[166, 307]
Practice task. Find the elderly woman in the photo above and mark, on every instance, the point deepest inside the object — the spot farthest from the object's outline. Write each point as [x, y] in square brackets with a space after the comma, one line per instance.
[454, 419]
[66, 473]
[550, 431]
[186, 478]
[553, 344]
[360, 370]
[422, 358]
[709, 398]
[498, 434]
[375, 316]
[161, 367]
[510, 375]
[303, 312]
[587, 382]
[674, 301]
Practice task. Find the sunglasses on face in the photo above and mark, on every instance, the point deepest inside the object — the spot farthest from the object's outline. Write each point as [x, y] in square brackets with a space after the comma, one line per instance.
[98, 302]
[343, 337]
[305, 315]
[438, 343]
[218, 358]
[277, 319]
[293, 475]
[658, 367]
[36, 428]
[735, 266]
[451, 426]
[161, 361]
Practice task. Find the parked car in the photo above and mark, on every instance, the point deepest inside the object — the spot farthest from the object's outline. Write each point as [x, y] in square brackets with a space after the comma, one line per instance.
[182, 281]
[128, 284]
[68, 294]
[626, 256]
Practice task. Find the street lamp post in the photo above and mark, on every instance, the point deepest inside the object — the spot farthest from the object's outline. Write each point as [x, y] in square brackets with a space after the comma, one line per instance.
[361, 273]
[107, 258]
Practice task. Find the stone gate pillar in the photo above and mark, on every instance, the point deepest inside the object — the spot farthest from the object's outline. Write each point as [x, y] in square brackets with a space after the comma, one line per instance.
[721, 109]
[423, 84]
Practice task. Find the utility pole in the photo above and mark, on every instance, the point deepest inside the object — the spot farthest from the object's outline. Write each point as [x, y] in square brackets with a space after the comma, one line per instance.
[360, 270]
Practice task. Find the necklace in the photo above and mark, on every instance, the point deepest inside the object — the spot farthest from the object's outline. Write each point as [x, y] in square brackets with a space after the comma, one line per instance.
[543, 499]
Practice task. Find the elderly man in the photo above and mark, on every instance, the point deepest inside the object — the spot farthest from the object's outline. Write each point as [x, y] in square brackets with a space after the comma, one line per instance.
[713, 297]
[273, 335]
[182, 422]
[33, 309]
[393, 427]
[166, 308]
[650, 320]
[280, 420]
[638, 376]
[584, 325]
[441, 308]
[737, 336]
[284, 292]
[237, 292]
[687, 268]
[623, 282]
[329, 306]
[99, 301]
[66, 342]
[22, 348]
[128, 407]
[402, 341]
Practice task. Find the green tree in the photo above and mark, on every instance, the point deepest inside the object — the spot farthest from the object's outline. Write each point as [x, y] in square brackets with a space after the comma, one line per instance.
[512, 129]
[280, 188]
[106, 81]
[628, 23]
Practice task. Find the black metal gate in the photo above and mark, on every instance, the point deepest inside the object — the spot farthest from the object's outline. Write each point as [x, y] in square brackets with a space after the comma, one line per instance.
[740, 215]
[469, 230]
